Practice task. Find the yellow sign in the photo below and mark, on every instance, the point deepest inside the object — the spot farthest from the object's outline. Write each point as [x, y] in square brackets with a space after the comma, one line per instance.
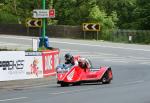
[91, 27]
[33, 22]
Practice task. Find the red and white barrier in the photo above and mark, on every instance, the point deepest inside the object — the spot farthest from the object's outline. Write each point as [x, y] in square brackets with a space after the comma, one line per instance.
[50, 61]
[16, 65]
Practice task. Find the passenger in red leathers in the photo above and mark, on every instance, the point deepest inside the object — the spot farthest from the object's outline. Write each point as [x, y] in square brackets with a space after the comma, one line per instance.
[77, 60]
[84, 63]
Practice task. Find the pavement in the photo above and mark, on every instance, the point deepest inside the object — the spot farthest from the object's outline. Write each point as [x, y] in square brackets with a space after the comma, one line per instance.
[16, 84]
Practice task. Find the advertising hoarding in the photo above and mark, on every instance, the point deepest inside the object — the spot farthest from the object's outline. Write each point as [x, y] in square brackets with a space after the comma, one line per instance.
[12, 65]
[33, 65]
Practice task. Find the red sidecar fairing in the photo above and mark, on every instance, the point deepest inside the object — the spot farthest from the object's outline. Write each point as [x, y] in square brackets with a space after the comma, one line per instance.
[77, 74]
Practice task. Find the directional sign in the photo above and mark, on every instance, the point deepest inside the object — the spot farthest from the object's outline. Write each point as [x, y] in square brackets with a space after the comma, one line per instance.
[52, 13]
[34, 23]
[91, 27]
[39, 13]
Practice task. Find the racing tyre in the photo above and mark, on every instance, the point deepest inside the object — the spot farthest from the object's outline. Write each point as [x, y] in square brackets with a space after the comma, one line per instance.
[76, 84]
[105, 79]
[64, 84]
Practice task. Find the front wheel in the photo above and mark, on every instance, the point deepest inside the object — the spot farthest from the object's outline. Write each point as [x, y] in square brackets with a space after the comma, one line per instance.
[105, 80]
[64, 84]
[76, 84]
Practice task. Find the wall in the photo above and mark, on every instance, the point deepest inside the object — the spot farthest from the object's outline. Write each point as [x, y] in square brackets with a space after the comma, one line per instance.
[52, 31]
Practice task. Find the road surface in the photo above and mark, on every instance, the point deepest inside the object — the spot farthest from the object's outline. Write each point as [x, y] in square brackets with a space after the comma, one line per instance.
[130, 65]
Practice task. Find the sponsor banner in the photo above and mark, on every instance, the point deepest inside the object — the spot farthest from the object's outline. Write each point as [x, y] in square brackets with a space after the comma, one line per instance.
[50, 61]
[12, 65]
[17, 65]
[33, 65]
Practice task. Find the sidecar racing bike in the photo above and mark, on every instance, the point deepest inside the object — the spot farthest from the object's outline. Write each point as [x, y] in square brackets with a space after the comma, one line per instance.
[75, 75]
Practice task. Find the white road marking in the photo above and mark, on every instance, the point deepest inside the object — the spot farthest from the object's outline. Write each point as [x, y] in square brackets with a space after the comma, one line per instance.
[39, 86]
[66, 50]
[73, 91]
[135, 82]
[92, 45]
[14, 44]
[104, 46]
[30, 86]
[16, 37]
[108, 60]
[6, 43]
[112, 57]
[145, 63]
[12, 99]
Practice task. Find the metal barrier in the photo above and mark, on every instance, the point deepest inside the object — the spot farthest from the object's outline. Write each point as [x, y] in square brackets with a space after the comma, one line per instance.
[128, 36]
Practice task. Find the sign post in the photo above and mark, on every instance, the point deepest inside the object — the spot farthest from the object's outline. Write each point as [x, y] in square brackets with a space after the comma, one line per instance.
[44, 14]
[43, 23]
[91, 27]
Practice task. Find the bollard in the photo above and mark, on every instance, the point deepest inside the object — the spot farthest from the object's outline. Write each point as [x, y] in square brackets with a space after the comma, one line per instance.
[44, 43]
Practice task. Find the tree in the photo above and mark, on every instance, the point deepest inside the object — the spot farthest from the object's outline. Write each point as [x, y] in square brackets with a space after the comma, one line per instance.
[106, 22]
[142, 15]
[123, 8]
[7, 15]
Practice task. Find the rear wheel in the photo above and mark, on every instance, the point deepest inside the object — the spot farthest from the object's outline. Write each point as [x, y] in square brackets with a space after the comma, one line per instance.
[106, 77]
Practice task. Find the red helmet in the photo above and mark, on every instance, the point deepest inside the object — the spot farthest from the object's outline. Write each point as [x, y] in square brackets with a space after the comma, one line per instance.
[82, 62]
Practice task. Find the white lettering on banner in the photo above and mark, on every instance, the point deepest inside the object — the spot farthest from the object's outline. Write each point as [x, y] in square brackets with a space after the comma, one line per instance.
[48, 62]
[56, 59]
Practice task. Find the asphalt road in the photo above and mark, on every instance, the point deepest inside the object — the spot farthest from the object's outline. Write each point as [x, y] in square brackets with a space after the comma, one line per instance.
[130, 65]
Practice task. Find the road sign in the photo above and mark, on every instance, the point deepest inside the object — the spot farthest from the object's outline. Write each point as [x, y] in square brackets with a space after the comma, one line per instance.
[91, 27]
[34, 23]
[39, 13]
[52, 13]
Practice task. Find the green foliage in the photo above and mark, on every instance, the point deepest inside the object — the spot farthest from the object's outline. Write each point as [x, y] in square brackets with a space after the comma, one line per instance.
[123, 14]
[106, 22]
[7, 18]
[142, 14]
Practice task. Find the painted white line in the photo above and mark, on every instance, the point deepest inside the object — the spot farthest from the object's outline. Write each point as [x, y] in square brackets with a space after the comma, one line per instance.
[135, 82]
[14, 44]
[100, 46]
[145, 63]
[66, 50]
[12, 99]
[73, 91]
[33, 86]
[28, 86]
[39, 86]
[142, 58]
[16, 37]
[6, 43]
[92, 45]
[108, 60]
